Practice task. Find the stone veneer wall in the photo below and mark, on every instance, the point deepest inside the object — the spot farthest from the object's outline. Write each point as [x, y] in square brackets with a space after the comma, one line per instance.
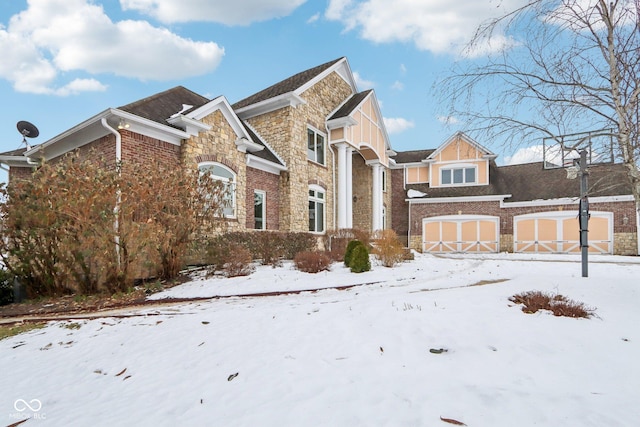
[286, 132]
[270, 184]
[400, 213]
[362, 194]
[218, 145]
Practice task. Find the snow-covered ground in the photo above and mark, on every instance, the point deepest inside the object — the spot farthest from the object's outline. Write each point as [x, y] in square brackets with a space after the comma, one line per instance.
[354, 357]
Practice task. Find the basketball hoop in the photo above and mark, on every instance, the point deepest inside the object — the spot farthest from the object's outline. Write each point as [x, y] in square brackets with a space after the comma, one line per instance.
[572, 172]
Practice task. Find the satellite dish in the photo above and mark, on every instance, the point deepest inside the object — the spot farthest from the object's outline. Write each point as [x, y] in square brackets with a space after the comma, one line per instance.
[27, 130]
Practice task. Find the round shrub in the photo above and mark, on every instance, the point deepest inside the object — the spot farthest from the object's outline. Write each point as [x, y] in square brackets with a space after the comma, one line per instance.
[360, 259]
[311, 262]
[348, 253]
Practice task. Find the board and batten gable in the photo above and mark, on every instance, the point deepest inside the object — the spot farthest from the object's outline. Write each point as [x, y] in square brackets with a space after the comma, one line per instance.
[460, 152]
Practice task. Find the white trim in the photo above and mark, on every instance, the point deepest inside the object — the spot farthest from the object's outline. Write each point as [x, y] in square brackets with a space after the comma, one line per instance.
[567, 201]
[256, 162]
[495, 198]
[246, 145]
[264, 209]
[463, 167]
[189, 125]
[221, 103]
[290, 99]
[318, 200]
[95, 130]
[324, 146]
[234, 202]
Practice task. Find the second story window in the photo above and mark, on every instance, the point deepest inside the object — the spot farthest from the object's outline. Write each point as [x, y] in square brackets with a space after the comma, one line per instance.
[315, 146]
[458, 175]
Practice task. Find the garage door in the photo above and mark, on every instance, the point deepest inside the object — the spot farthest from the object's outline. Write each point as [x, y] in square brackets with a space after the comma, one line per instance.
[460, 233]
[559, 232]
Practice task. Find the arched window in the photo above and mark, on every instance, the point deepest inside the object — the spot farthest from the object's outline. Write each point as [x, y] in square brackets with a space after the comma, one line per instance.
[316, 209]
[228, 177]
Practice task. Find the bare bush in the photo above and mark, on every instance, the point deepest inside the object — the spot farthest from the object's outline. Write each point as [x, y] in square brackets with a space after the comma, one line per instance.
[238, 262]
[559, 305]
[312, 262]
[388, 248]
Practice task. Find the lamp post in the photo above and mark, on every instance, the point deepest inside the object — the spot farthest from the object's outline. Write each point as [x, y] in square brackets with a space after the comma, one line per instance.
[584, 212]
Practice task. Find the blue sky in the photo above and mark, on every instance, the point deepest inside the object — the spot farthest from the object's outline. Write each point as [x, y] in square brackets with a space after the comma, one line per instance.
[65, 60]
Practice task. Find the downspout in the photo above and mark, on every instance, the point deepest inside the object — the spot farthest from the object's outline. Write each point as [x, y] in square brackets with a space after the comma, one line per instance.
[333, 183]
[409, 228]
[116, 209]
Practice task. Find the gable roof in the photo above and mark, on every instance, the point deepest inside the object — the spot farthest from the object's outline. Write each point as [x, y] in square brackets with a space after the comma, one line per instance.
[352, 103]
[466, 138]
[160, 106]
[413, 156]
[287, 85]
[531, 181]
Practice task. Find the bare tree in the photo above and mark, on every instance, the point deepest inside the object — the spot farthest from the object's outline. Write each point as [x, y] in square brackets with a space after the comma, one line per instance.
[566, 66]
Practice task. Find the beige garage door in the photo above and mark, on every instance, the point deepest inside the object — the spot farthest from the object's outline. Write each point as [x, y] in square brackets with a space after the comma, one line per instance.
[460, 233]
[559, 232]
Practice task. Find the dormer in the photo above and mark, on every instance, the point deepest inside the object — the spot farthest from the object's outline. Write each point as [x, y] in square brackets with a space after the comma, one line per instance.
[459, 161]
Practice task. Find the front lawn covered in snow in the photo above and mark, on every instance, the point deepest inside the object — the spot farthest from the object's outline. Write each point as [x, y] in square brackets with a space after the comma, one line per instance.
[366, 355]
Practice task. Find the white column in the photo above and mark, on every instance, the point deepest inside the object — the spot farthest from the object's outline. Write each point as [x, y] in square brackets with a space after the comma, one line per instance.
[376, 208]
[349, 182]
[342, 185]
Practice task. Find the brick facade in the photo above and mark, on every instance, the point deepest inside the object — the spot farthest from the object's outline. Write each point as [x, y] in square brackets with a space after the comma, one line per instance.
[625, 230]
[270, 184]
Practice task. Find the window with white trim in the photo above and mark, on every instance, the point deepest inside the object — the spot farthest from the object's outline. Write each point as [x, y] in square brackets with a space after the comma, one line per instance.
[260, 210]
[222, 173]
[315, 146]
[458, 175]
[316, 209]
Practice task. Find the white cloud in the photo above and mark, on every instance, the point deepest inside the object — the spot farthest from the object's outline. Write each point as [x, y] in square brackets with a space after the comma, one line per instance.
[313, 18]
[439, 26]
[397, 125]
[447, 120]
[239, 12]
[54, 36]
[397, 85]
[81, 85]
[362, 83]
[525, 155]
[403, 68]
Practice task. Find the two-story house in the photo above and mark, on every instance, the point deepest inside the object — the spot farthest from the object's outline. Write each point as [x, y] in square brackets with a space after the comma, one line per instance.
[309, 153]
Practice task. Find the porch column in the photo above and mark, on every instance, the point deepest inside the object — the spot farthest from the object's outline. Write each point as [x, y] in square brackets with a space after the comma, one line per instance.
[342, 185]
[349, 181]
[376, 208]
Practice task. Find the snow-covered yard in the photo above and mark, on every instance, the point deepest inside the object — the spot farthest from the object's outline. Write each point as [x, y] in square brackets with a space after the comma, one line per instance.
[354, 357]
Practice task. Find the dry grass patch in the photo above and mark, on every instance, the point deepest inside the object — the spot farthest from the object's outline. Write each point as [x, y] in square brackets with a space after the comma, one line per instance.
[559, 305]
[7, 331]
